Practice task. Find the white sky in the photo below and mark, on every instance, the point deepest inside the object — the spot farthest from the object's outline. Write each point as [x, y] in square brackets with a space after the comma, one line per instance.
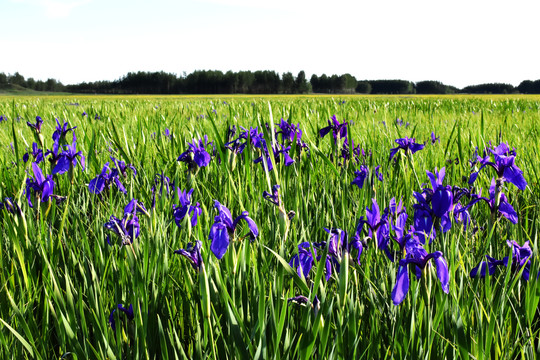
[459, 42]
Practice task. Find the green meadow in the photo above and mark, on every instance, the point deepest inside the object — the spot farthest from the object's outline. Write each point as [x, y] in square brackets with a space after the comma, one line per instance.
[63, 271]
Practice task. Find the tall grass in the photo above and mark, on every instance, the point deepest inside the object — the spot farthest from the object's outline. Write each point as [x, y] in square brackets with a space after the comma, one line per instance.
[60, 279]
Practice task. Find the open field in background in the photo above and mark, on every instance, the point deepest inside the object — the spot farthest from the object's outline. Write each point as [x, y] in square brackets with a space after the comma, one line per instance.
[60, 278]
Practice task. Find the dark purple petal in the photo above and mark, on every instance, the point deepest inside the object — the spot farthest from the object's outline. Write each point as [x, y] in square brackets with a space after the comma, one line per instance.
[220, 239]
[402, 285]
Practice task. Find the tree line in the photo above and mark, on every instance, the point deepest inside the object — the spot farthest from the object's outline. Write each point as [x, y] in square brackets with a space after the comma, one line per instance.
[258, 82]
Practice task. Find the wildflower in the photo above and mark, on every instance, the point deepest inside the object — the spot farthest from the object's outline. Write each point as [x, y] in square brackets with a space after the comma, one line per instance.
[504, 207]
[303, 261]
[37, 125]
[408, 145]
[196, 154]
[61, 130]
[104, 180]
[127, 228]
[43, 186]
[10, 206]
[68, 158]
[418, 257]
[193, 254]
[521, 259]
[434, 138]
[36, 153]
[361, 176]
[128, 312]
[224, 227]
[503, 164]
[185, 208]
[379, 175]
[339, 130]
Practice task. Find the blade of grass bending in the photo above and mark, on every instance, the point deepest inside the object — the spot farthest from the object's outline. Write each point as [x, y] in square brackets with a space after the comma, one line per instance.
[300, 282]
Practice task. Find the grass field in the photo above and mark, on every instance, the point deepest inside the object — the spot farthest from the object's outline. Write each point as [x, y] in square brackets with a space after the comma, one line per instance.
[88, 273]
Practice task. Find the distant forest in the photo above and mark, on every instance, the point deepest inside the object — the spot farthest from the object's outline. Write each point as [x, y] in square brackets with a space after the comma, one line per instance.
[257, 82]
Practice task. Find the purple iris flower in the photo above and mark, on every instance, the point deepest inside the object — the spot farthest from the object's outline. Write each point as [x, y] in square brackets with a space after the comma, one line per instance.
[36, 153]
[104, 180]
[127, 228]
[378, 227]
[43, 186]
[61, 130]
[274, 197]
[504, 165]
[283, 150]
[434, 206]
[521, 259]
[37, 125]
[10, 205]
[301, 300]
[361, 176]
[53, 154]
[434, 138]
[350, 152]
[197, 154]
[303, 261]
[121, 167]
[3, 118]
[193, 254]
[418, 257]
[504, 208]
[379, 175]
[339, 130]
[289, 131]
[408, 145]
[185, 208]
[128, 312]
[68, 158]
[224, 227]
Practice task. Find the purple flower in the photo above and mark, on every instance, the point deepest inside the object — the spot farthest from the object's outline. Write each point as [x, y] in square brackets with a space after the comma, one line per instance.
[504, 207]
[434, 138]
[127, 228]
[408, 145]
[303, 261]
[378, 175]
[104, 180]
[36, 153]
[521, 259]
[185, 208]
[10, 206]
[193, 254]
[61, 130]
[224, 227]
[68, 158]
[37, 125]
[339, 130]
[504, 165]
[197, 154]
[418, 257]
[43, 186]
[361, 176]
[128, 312]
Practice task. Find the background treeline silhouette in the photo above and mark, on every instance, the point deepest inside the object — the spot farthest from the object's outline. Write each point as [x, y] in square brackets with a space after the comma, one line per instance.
[256, 82]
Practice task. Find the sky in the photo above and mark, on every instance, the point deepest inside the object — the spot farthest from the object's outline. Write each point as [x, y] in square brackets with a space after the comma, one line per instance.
[459, 42]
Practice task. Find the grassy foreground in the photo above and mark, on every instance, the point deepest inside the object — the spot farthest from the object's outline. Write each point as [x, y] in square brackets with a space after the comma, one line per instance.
[63, 272]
